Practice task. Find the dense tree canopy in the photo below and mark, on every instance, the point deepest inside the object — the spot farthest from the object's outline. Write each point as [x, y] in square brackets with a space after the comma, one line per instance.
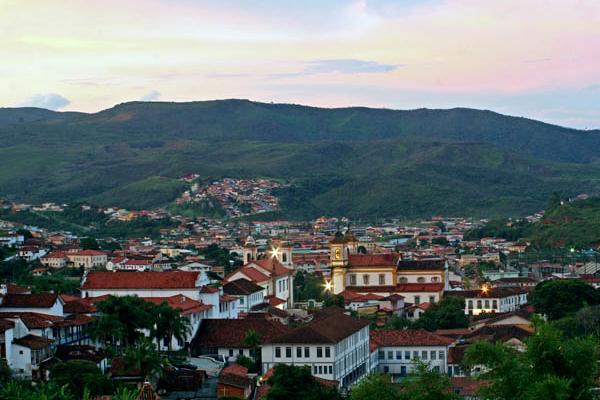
[558, 298]
[551, 367]
[297, 383]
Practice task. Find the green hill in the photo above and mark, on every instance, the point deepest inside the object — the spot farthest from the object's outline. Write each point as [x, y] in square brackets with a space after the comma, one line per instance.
[358, 162]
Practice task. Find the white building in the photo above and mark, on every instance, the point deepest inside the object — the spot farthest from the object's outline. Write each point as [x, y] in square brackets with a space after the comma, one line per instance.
[397, 351]
[493, 300]
[334, 345]
[248, 293]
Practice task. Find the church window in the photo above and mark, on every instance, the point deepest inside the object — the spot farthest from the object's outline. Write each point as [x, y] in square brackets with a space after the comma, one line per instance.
[421, 279]
[352, 279]
[366, 279]
[434, 279]
[403, 279]
[381, 279]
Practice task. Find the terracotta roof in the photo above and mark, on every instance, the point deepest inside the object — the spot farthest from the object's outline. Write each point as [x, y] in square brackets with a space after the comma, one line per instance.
[141, 280]
[209, 289]
[225, 298]
[181, 302]
[231, 332]
[500, 333]
[399, 288]
[271, 264]
[33, 320]
[365, 260]
[467, 386]
[331, 325]
[408, 337]
[11, 288]
[79, 306]
[37, 300]
[241, 287]
[253, 274]
[455, 333]
[83, 352]
[33, 342]
[5, 325]
[431, 264]
[274, 300]
[89, 253]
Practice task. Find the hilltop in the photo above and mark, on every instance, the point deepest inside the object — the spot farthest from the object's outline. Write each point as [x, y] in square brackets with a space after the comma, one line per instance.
[358, 162]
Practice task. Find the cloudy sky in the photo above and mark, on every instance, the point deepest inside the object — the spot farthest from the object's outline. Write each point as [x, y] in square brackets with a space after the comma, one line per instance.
[539, 59]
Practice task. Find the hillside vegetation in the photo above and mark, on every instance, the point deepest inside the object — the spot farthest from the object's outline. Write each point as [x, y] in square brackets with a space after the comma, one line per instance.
[357, 162]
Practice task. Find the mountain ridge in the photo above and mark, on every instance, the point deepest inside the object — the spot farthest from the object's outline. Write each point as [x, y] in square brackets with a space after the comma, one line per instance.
[446, 161]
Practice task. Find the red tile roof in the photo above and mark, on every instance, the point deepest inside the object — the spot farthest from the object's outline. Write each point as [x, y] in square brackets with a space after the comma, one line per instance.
[271, 264]
[141, 280]
[181, 302]
[33, 320]
[253, 274]
[5, 325]
[37, 300]
[79, 306]
[329, 326]
[33, 342]
[365, 260]
[408, 338]
[400, 288]
[231, 332]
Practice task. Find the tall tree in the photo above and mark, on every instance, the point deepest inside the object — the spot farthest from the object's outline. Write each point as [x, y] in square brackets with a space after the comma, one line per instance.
[375, 386]
[551, 367]
[144, 358]
[127, 316]
[561, 297]
[169, 324]
[289, 382]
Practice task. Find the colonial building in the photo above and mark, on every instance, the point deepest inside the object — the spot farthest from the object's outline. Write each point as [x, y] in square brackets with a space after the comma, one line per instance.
[418, 281]
[334, 345]
[492, 300]
[248, 293]
[398, 350]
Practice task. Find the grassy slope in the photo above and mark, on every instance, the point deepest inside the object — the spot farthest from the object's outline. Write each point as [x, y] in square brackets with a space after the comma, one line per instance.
[360, 162]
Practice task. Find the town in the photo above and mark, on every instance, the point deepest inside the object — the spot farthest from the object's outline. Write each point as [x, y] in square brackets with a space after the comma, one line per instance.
[223, 308]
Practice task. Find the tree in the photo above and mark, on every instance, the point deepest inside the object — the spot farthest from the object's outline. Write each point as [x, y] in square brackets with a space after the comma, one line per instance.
[551, 367]
[333, 300]
[169, 324]
[89, 243]
[125, 316]
[446, 314]
[79, 374]
[289, 382]
[561, 297]
[375, 386]
[144, 358]
[424, 383]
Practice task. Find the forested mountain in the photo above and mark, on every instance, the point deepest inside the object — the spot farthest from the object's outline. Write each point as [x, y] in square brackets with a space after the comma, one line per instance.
[358, 162]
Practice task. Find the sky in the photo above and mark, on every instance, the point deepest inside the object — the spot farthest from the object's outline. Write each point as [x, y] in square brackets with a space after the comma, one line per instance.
[534, 58]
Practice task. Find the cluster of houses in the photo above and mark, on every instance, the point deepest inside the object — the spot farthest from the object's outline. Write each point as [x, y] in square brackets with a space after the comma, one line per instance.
[237, 197]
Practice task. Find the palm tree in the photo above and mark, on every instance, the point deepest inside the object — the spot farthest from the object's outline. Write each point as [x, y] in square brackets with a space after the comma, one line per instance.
[169, 324]
[253, 340]
[144, 358]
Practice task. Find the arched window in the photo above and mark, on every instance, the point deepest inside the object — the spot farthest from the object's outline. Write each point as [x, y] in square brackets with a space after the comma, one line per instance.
[434, 279]
[403, 279]
[421, 279]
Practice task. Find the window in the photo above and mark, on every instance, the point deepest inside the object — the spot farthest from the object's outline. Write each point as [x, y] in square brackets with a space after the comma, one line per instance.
[390, 355]
[431, 299]
[319, 352]
[330, 370]
[417, 299]
[407, 355]
[299, 352]
[241, 352]
[434, 279]
[487, 304]
[352, 280]
[415, 354]
[403, 370]
[381, 355]
[242, 300]
[470, 303]
[306, 352]
[365, 279]
[288, 352]
[421, 279]
[403, 280]
[398, 355]
[495, 304]
[320, 369]
[441, 354]
[315, 369]
[386, 369]
[432, 355]
[327, 351]
[277, 352]
[479, 304]
[382, 279]
[230, 352]
[424, 355]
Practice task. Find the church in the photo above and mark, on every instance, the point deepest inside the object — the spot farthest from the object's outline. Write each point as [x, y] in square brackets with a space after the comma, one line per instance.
[355, 272]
